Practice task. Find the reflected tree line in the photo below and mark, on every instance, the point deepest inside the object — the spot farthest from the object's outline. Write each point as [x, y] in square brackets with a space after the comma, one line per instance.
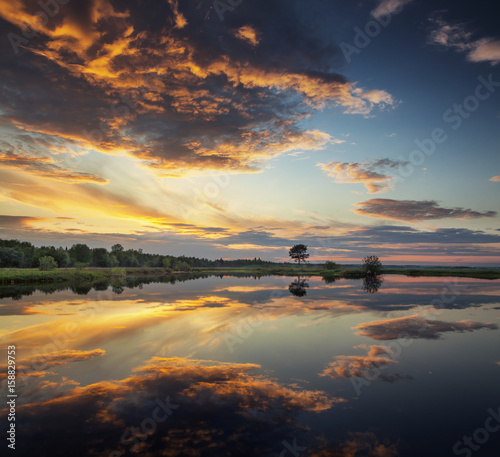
[298, 287]
[371, 284]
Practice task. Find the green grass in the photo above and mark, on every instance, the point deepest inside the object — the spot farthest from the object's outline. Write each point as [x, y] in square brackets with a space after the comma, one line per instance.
[11, 276]
[491, 273]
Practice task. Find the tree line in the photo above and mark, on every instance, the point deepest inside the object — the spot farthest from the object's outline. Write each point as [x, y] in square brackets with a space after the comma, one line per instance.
[23, 254]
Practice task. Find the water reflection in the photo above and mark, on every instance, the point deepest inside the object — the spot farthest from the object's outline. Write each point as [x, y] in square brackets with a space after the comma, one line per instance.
[372, 283]
[102, 370]
[298, 287]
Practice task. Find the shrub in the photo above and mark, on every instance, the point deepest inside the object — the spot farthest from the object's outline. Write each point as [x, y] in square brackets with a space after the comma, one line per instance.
[167, 262]
[329, 265]
[183, 266]
[118, 271]
[372, 265]
[47, 263]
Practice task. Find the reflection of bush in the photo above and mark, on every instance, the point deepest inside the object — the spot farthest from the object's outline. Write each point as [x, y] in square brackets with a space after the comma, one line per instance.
[371, 284]
[298, 287]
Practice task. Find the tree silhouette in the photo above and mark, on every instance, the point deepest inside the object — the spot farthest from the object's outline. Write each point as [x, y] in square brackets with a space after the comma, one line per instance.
[372, 265]
[298, 253]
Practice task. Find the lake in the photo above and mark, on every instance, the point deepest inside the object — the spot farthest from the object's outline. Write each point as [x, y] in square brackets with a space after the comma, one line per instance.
[269, 366]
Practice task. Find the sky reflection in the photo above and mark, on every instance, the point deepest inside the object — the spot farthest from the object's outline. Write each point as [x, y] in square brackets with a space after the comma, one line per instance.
[252, 366]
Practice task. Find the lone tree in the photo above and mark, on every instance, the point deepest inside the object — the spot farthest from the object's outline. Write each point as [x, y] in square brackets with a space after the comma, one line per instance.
[372, 265]
[298, 253]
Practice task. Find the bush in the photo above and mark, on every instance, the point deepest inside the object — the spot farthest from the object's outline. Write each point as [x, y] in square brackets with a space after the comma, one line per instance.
[329, 265]
[47, 263]
[167, 262]
[372, 265]
[183, 266]
[118, 271]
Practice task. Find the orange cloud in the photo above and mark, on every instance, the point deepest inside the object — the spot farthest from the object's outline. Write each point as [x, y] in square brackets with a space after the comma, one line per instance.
[36, 366]
[378, 357]
[45, 168]
[248, 34]
[203, 400]
[374, 175]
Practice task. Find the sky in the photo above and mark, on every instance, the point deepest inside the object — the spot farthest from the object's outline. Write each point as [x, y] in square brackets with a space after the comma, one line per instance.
[237, 128]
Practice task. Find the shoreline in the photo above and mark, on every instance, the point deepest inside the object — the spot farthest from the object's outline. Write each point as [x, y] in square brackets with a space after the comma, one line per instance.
[13, 276]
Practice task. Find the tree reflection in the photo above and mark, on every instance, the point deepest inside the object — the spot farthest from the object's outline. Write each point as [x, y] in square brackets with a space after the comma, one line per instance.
[372, 283]
[298, 287]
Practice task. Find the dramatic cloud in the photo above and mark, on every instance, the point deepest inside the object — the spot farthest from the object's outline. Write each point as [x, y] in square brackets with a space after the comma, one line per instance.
[386, 7]
[369, 366]
[414, 211]
[173, 86]
[456, 36]
[415, 327]
[374, 175]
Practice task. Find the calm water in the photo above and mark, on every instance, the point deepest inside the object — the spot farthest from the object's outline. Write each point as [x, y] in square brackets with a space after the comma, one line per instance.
[263, 367]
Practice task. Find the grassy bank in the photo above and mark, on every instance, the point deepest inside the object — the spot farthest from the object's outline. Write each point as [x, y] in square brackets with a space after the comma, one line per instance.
[10, 276]
[480, 273]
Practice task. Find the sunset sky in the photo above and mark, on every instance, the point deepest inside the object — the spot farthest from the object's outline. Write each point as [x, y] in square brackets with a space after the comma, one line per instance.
[193, 127]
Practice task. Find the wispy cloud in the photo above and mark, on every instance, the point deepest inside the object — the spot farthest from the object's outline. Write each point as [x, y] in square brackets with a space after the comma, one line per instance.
[415, 211]
[386, 7]
[36, 366]
[248, 34]
[375, 175]
[456, 36]
[348, 366]
[45, 168]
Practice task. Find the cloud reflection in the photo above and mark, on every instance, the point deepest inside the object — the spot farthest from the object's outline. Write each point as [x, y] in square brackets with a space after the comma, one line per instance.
[348, 366]
[224, 408]
[415, 327]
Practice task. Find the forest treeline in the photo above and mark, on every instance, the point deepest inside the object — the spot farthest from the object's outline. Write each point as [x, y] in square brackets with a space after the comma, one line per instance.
[23, 254]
